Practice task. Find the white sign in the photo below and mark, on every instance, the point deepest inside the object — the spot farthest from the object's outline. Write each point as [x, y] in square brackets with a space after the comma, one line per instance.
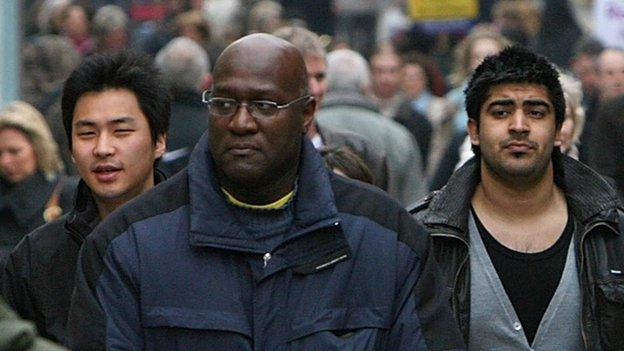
[609, 22]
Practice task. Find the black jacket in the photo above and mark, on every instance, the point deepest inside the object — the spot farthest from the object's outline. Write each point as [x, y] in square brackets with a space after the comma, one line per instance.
[598, 222]
[22, 206]
[38, 277]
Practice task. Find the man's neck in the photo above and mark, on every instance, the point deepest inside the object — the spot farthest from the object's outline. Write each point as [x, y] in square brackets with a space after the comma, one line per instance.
[526, 216]
[521, 197]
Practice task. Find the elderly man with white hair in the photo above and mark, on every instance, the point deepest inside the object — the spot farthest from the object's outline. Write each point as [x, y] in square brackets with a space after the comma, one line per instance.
[348, 105]
[186, 68]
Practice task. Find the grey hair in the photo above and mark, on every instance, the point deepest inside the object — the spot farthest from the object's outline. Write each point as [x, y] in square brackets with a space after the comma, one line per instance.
[348, 71]
[306, 41]
[183, 63]
[108, 18]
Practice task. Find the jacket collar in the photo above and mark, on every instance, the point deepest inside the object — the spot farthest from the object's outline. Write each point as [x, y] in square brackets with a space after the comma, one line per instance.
[212, 220]
[590, 197]
[84, 217]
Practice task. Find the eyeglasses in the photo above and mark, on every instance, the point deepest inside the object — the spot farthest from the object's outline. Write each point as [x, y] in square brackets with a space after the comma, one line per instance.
[262, 109]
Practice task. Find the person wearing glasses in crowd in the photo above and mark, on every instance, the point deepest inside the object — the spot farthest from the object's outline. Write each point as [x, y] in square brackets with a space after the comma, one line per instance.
[115, 113]
[257, 245]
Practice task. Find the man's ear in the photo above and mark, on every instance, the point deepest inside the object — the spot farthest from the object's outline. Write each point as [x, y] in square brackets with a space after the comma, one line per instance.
[161, 145]
[473, 131]
[308, 113]
[558, 139]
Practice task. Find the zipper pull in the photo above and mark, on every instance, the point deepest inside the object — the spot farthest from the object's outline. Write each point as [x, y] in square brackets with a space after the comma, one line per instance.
[266, 258]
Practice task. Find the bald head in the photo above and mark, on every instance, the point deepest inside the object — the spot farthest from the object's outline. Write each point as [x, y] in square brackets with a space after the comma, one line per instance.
[273, 56]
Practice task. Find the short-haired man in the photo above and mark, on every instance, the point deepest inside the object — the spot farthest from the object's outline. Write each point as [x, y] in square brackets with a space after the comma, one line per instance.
[257, 246]
[185, 66]
[313, 52]
[115, 113]
[528, 239]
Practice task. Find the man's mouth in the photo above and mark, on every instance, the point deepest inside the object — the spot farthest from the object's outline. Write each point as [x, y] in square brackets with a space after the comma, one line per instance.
[243, 149]
[106, 173]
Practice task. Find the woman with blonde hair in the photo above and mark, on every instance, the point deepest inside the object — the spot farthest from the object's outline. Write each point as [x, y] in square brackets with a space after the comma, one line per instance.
[33, 189]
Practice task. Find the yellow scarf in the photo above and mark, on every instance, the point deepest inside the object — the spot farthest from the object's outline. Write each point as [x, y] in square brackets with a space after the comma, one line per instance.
[272, 206]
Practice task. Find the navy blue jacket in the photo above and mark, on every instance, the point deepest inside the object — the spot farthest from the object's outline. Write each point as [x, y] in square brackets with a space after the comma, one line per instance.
[174, 270]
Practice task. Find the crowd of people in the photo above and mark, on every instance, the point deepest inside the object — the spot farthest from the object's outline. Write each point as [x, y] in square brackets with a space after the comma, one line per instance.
[257, 174]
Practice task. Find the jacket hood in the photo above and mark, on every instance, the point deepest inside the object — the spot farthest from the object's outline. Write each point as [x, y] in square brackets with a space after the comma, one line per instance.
[589, 195]
[212, 219]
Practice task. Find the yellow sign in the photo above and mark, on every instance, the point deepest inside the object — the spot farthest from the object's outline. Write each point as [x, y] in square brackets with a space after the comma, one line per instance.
[431, 10]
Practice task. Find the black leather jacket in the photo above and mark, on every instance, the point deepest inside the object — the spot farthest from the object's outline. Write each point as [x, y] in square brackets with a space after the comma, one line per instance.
[598, 223]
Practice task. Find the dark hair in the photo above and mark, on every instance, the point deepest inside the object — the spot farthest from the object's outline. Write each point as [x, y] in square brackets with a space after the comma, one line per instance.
[121, 70]
[514, 64]
[347, 162]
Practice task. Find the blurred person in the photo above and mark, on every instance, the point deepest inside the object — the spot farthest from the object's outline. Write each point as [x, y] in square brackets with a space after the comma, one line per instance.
[386, 66]
[227, 19]
[348, 105]
[344, 162]
[610, 65]
[356, 21]
[17, 334]
[257, 240]
[193, 25]
[110, 29]
[420, 102]
[75, 25]
[313, 52]
[611, 73]
[185, 66]
[559, 27]
[115, 112]
[529, 240]
[605, 148]
[33, 190]
[574, 121]
[584, 66]
[50, 15]
[47, 61]
[265, 16]
[518, 20]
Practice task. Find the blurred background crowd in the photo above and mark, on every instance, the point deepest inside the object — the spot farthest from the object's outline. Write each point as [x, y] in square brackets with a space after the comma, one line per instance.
[417, 58]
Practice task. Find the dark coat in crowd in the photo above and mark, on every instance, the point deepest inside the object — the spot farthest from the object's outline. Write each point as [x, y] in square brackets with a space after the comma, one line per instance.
[189, 120]
[177, 270]
[606, 146]
[22, 205]
[598, 239]
[38, 278]
[418, 125]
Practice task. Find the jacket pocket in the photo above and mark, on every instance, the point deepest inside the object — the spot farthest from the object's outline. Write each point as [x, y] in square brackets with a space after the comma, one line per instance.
[340, 329]
[172, 328]
[610, 308]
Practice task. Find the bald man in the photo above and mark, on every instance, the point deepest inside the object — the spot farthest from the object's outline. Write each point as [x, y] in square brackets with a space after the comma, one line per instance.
[256, 245]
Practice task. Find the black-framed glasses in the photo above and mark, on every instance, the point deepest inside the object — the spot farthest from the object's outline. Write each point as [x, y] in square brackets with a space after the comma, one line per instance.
[262, 109]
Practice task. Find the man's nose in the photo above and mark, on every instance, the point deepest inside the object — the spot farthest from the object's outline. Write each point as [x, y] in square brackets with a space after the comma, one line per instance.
[518, 122]
[242, 122]
[104, 145]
